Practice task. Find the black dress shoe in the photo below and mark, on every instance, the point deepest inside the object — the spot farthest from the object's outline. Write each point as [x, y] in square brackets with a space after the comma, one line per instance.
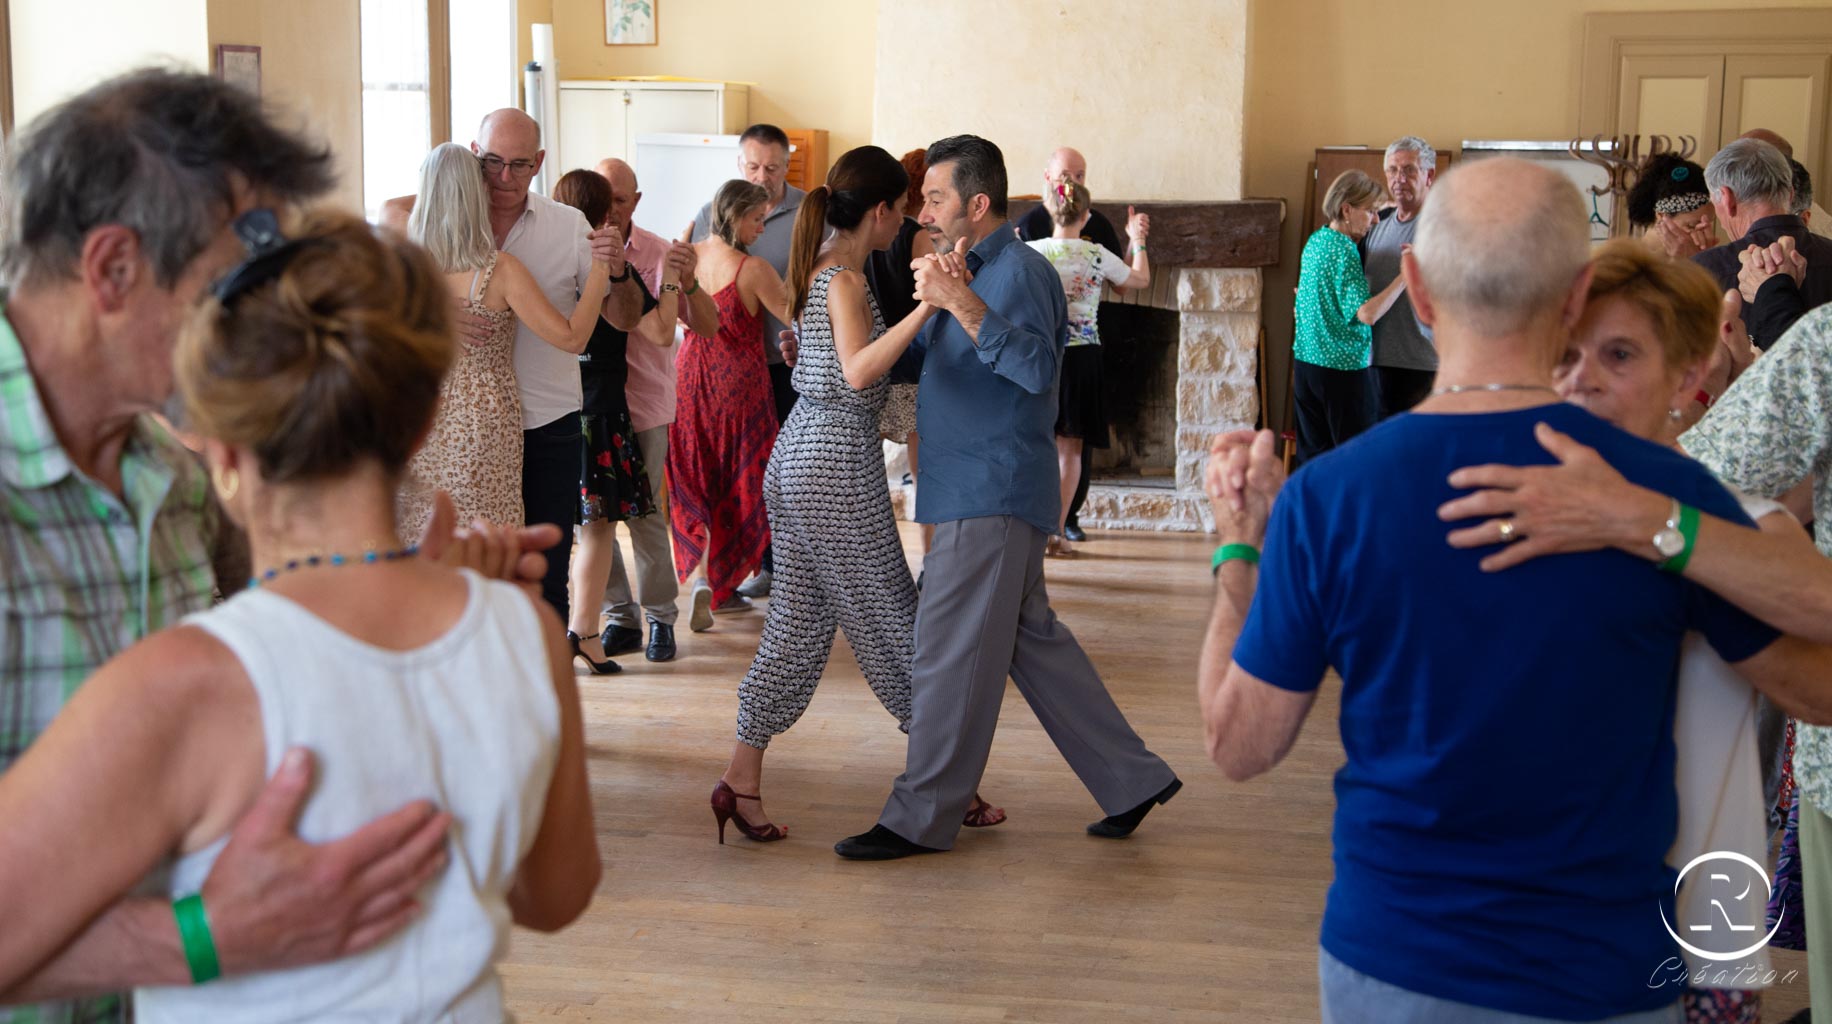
[1072, 533]
[661, 642]
[1119, 826]
[878, 844]
[620, 640]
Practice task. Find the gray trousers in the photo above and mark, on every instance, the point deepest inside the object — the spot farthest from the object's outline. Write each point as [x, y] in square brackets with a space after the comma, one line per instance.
[653, 548]
[983, 616]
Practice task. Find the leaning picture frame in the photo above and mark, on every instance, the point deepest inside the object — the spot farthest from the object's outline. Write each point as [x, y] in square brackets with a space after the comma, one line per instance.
[629, 22]
[239, 65]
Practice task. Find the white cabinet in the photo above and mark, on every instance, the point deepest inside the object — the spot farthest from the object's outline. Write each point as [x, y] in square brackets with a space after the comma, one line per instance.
[602, 117]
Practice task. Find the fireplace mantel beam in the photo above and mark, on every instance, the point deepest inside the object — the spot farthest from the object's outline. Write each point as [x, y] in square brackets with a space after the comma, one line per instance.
[1243, 233]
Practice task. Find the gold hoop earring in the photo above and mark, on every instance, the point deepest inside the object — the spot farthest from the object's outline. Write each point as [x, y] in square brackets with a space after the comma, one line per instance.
[227, 481]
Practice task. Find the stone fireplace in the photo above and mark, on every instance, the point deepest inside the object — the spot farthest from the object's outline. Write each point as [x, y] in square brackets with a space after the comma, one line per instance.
[1181, 359]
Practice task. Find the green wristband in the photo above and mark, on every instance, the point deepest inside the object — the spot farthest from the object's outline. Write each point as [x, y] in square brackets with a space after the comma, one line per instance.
[194, 933]
[1234, 553]
[1688, 528]
[694, 287]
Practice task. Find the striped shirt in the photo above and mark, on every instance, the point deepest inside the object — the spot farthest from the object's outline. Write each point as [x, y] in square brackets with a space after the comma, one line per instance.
[84, 573]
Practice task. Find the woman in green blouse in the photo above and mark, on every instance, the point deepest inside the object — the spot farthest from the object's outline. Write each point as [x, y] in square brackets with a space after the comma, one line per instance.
[1335, 336]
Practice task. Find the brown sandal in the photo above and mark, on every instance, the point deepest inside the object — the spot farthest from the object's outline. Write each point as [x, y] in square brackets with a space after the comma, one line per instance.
[982, 814]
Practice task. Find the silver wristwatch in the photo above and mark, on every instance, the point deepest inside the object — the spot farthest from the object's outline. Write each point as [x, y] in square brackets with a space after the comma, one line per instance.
[1669, 541]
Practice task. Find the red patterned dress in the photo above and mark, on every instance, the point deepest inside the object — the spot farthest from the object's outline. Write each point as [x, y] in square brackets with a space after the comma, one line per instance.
[718, 447]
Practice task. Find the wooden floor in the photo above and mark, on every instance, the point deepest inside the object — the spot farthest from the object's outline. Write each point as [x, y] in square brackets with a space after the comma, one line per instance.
[1209, 913]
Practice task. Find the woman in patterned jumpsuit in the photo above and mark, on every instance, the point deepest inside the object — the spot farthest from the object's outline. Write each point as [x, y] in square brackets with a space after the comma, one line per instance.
[839, 561]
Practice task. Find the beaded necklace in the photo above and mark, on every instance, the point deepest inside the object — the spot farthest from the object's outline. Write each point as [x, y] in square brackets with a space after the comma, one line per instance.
[368, 557]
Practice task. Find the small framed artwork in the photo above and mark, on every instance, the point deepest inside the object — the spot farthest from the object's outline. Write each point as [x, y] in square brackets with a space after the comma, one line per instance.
[629, 22]
[239, 65]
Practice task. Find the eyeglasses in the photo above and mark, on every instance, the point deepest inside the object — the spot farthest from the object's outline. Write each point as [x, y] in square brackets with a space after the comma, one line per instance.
[493, 165]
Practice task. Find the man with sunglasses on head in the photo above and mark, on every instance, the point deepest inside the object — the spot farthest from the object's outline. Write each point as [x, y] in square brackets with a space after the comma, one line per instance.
[557, 246]
[124, 205]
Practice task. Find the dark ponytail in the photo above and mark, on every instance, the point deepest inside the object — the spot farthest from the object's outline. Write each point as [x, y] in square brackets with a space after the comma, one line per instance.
[860, 179]
[805, 246]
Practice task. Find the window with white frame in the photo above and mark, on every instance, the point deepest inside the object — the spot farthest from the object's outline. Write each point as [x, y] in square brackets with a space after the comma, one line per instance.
[397, 99]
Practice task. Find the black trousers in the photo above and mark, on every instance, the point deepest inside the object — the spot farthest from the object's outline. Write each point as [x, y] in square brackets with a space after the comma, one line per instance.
[1332, 406]
[1399, 390]
[783, 387]
[550, 494]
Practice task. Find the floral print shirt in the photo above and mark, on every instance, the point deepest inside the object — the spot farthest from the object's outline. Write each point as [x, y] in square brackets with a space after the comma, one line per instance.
[1770, 431]
[1083, 266]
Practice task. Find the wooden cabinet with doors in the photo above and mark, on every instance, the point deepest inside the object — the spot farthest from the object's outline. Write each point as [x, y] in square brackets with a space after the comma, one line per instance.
[807, 157]
[1712, 75]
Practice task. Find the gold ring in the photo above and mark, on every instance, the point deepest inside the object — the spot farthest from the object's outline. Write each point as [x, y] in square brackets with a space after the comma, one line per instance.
[1506, 528]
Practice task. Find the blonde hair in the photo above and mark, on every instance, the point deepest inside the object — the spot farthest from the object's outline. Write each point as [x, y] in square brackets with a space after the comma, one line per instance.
[1679, 298]
[1351, 188]
[451, 218]
[335, 362]
[730, 204]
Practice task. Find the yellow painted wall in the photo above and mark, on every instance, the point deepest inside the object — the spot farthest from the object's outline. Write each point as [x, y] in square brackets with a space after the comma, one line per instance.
[311, 67]
[810, 61]
[60, 48]
[1153, 101]
[1347, 72]
[311, 73]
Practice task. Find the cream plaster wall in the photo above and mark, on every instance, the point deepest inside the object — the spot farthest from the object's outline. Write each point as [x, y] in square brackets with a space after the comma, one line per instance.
[311, 73]
[1347, 72]
[60, 48]
[810, 62]
[311, 68]
[1153, 101]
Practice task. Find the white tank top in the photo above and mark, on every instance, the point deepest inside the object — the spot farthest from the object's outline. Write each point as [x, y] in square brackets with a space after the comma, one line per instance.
[469, 721]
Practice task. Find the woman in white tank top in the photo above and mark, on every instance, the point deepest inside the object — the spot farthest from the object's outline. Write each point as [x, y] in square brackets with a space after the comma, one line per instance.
[312, 375]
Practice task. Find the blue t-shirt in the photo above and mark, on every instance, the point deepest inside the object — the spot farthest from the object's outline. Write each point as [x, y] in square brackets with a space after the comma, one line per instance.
[1508, 801]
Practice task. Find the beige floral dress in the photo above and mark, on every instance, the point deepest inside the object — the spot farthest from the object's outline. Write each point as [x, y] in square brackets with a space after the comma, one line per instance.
[474, 452]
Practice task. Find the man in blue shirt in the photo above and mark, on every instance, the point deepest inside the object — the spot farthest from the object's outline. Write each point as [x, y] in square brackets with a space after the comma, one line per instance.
[1508, 799]
[986, 409]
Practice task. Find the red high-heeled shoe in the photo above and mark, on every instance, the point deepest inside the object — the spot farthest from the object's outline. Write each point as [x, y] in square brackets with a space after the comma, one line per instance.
[725, 808]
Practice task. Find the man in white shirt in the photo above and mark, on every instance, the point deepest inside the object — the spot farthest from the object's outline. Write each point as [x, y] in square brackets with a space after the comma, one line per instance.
[557, 246]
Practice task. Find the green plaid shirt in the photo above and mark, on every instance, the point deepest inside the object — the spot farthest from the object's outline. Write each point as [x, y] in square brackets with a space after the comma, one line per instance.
[84, 574]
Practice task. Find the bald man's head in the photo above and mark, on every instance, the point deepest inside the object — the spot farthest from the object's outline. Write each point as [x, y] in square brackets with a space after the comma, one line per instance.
[1501, 244]
[1764, 135]
[509, 144]
[624, 197]
[509, 125]
[618, 173]
[1066, 162]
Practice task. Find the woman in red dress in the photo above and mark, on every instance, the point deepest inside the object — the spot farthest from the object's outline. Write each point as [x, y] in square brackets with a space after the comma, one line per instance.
[725, 420]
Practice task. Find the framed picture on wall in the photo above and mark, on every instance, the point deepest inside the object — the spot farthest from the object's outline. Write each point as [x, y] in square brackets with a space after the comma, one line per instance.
[629, 22]
[239, 65]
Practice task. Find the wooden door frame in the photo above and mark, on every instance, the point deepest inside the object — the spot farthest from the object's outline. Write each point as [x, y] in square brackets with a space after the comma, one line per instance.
[1608, 37]
[6, 72]
[439, 69]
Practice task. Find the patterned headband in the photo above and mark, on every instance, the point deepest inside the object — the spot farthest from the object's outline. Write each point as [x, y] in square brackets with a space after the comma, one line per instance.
[1685, 202]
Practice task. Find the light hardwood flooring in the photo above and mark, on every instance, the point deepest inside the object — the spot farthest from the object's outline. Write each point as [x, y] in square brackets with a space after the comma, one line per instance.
[1209, 913]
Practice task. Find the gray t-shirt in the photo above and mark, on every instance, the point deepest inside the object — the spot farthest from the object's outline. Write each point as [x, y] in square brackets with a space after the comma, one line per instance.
[772, 247]
[1399, 339]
